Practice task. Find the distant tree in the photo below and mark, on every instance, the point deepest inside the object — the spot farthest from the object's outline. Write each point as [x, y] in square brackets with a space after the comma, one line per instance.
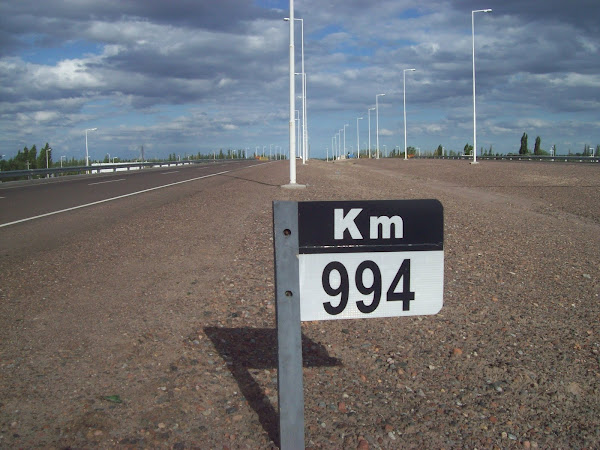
[32, 158]
[597, 150]
[439, 151]
[19, 161]
[467, 149]
[41, 158]
[537, 148]
[523, 149]
[586, 150]
[24, 157]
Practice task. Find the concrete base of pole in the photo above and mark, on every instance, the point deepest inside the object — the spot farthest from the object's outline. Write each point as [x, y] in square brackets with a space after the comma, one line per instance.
[474, 162]
[293, 186]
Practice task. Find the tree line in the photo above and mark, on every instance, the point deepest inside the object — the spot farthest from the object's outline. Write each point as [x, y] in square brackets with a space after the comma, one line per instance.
[537, 148]
[29, 158]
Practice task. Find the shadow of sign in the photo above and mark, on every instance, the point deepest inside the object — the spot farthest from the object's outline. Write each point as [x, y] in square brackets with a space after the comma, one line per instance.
[256, 348]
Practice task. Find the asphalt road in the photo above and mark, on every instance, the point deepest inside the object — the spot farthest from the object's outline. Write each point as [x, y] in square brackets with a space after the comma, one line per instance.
[23, 202]
[46, 214]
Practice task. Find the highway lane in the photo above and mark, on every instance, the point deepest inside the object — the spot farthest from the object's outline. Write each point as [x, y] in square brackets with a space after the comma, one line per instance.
[24, 202]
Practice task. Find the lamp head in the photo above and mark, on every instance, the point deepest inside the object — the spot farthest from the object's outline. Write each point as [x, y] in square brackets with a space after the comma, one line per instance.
[487, 10]
[287, 19]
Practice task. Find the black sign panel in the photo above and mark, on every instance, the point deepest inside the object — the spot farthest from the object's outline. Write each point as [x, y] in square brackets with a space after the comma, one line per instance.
[370, 226]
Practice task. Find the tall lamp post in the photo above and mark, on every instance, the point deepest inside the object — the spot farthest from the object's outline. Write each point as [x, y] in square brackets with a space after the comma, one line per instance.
[292, 134]
[404, 88]
[357, 138]
[345, 125]
[474, 115]
[369, 113]
[47, 148]
[298, 129]
[377, 121]
[333, 147]
[87, 157]
[303, 73]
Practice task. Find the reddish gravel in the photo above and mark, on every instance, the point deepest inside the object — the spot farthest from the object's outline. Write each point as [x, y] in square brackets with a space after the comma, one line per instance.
[166, 338]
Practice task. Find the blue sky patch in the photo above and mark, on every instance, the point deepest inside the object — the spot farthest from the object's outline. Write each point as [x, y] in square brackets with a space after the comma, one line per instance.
[52, 55]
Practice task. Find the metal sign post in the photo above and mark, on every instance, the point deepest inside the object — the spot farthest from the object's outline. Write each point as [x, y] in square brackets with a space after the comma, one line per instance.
[289, 343]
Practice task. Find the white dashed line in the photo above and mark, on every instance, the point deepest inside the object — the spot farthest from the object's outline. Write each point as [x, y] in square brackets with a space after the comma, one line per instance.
[109, 181]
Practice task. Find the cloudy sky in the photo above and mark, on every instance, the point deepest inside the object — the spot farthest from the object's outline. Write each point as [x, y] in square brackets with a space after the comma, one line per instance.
[183, 76]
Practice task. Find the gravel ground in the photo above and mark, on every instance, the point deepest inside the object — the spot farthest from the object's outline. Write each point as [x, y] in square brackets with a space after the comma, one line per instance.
[178, 349]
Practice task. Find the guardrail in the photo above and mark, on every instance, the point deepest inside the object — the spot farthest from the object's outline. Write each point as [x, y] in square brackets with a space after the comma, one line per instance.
[58, 171]
[559, 158]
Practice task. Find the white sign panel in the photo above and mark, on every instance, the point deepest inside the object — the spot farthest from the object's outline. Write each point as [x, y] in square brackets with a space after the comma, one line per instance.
[370, 259]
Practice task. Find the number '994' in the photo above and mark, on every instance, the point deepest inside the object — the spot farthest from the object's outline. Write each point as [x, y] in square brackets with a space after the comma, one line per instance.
[374, 288]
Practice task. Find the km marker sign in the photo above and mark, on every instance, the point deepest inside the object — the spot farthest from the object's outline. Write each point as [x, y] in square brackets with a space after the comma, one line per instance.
[349, 260]
[370, 259]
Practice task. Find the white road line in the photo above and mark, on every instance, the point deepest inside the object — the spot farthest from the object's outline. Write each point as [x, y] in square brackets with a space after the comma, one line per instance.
[123, 196]
[172, 171]
[109, 181]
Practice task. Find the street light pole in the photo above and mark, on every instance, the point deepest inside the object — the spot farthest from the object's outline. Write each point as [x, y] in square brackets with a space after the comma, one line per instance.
[292, 135]
[357, 138]
[377, 121]
[474, 115]
[298, 129]
[345, 125]
[87, 158]
[404, 89]
[47, 148]
[333, 147]
[369, 112]
[304, 127]
[303, 73]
